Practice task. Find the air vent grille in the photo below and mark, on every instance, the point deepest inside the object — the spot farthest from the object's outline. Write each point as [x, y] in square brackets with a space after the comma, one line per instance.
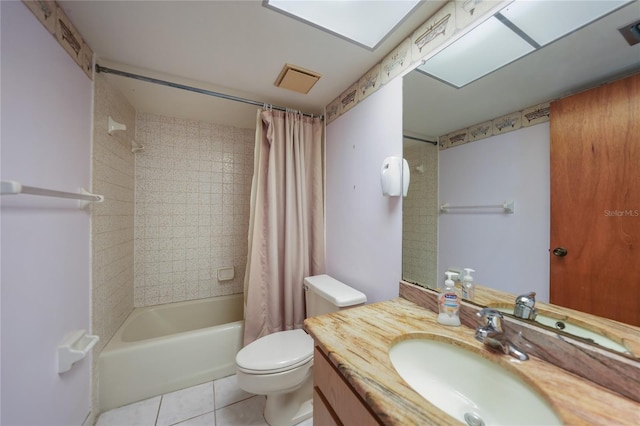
[631, 32]
[297, 79]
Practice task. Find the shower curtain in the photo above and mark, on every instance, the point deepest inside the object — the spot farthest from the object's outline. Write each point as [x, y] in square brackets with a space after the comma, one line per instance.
[286, 227]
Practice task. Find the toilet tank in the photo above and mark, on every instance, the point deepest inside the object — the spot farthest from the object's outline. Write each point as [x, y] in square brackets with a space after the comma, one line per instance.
[325, 294]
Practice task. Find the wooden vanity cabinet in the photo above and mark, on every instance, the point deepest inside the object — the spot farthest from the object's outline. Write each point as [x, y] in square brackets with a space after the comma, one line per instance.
[334, 400]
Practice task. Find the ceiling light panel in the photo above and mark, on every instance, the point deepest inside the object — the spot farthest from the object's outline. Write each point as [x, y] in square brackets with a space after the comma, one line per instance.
[546, 21]
[489, 46]
[365, 22]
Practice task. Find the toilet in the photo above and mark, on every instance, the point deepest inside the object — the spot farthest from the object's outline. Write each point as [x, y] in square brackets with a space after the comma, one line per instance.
[279, 365]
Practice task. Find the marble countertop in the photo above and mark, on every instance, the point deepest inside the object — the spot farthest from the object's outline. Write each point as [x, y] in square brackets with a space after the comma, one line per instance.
[357, 342]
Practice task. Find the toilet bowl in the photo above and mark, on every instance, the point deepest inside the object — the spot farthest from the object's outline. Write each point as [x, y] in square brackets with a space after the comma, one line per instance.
[279, 365]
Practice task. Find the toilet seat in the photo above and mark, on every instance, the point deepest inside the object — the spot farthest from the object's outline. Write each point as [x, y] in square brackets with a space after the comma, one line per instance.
[276, 352]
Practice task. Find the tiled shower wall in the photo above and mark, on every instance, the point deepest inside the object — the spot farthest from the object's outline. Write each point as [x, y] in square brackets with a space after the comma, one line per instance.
[112, 224]
[420, 216]
[193, 183]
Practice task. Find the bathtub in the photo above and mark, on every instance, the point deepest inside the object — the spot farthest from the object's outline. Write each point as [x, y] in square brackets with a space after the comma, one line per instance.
[160, 349]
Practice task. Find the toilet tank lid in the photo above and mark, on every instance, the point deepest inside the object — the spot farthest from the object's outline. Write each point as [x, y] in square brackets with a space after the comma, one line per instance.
[336, 292]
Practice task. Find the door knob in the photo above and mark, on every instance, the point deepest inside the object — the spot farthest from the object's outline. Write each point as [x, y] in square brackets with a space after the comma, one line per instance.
[560, 251]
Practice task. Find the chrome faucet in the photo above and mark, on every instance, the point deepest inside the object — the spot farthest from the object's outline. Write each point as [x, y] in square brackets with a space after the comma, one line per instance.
[493, 335]
[525, 306]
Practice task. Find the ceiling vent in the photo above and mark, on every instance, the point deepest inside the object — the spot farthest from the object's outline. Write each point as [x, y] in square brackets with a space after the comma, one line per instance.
[631, 32]
[297, 79]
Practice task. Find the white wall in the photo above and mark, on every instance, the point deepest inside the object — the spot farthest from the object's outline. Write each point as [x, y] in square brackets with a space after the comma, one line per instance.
[364, 229]
[46, 133]
[510, 252]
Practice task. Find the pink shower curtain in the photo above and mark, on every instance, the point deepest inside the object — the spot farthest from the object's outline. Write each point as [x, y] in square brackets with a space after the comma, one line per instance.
[286, 228]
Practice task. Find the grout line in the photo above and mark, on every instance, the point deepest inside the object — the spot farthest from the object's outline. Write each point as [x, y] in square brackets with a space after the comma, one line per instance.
[158, 412]
[239, 401]
[194, 417]
[213, 384]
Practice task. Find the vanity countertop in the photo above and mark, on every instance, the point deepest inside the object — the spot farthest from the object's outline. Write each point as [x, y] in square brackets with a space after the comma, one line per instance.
[357, 342]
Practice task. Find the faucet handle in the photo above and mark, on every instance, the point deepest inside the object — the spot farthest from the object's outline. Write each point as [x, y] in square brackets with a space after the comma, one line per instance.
[528, 299]
[494, 319]
[525, 306]
[493, 336]
[488, 312]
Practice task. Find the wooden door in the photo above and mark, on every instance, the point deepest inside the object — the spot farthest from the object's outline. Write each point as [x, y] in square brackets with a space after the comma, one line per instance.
[595, 201]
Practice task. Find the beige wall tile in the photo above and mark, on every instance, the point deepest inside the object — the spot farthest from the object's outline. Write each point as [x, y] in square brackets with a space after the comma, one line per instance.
[420, 216]
[193, 182]
[112, 232]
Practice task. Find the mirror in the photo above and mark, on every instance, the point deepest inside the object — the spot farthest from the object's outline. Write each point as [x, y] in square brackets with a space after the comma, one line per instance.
[594, 54]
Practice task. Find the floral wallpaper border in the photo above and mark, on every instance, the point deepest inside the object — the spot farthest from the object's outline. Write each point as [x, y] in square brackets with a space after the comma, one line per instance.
[507, 123]
[60, 26]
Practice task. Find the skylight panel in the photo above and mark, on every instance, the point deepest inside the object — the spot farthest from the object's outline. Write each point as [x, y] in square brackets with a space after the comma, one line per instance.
[468, 58]
[364, 22]
[517, 30]
[547, 21]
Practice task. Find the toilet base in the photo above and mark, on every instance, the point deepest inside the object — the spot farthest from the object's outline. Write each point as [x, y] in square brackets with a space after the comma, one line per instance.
[290, 408]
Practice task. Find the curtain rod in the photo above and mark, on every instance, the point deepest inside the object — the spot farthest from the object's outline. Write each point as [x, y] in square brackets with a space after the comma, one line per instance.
[419, 140]
[106, 70]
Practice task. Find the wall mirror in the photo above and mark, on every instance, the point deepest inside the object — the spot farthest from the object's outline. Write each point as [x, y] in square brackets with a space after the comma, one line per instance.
[593, 55]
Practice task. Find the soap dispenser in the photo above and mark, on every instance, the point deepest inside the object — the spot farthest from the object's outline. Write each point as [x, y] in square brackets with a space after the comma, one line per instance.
[468, 286]
[449, 303]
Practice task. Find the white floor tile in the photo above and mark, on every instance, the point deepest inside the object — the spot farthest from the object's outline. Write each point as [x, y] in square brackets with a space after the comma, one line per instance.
[185, 404]
[208, 419]
[227, 392]
[245, 413]
[141, 413]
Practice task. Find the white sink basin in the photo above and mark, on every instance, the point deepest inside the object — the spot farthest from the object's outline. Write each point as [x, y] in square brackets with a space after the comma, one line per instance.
[468, 387]
[574, 330]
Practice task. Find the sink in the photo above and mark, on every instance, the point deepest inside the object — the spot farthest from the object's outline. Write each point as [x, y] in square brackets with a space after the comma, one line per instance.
[467, 386]
[573, 329]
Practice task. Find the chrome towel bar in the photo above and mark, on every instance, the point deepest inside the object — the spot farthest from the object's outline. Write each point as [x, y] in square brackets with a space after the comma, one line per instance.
[507, 206]
[11, 187]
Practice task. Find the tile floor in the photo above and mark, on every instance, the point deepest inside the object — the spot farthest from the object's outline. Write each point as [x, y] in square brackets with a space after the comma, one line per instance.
[217, 403]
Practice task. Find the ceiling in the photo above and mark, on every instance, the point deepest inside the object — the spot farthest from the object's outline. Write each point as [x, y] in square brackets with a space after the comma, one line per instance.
[233, 47]
[239, 48]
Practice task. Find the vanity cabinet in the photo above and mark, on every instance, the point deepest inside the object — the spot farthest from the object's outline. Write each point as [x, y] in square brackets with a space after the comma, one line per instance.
[334, 400]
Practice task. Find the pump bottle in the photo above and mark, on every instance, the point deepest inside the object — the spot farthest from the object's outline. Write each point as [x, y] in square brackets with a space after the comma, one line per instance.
[468, 286]
[449, 303]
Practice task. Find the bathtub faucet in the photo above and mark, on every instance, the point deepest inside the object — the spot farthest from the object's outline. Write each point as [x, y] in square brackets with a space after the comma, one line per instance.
[493, 335]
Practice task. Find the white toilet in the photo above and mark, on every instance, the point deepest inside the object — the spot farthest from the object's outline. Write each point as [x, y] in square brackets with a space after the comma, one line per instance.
[279, 365]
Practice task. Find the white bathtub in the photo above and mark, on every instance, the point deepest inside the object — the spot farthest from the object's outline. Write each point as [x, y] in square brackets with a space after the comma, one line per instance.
[160, 349]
